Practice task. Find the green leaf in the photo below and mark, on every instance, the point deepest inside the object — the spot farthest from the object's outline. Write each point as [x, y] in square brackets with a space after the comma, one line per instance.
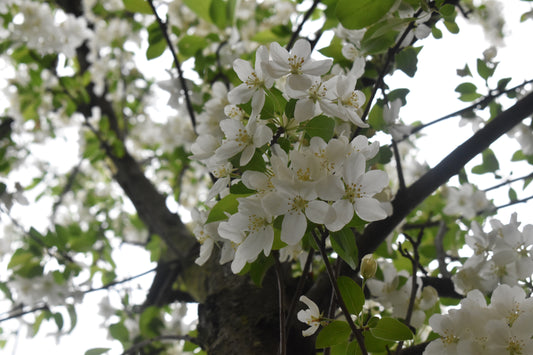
[73, 317]
[336, 332]
[320, 126]
[228, 204]
[259, 268]
[375, 118]
[200, 8]
[343, 242]
[391, 329]
[512, 195]
[97, 351]
[156, 49]
[355, 15]
[468, 92]
[58, 318]
[140, 6]
[352, 294]
[484, 70]
[447, 10]
[120, 332]
[150, 322]
[407, 60]
[217, 13]
[489, 163]
[189, 45]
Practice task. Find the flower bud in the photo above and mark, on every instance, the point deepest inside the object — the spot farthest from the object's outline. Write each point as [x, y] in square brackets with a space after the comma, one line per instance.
[368, 266]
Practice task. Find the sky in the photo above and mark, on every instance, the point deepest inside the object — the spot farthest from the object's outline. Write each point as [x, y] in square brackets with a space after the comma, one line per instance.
[432, 95]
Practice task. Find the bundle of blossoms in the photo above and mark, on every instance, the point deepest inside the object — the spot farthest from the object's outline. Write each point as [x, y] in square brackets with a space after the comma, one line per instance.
[282, 156]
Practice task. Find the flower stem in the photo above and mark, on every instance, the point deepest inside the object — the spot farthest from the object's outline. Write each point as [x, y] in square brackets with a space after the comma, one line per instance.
[357, 332]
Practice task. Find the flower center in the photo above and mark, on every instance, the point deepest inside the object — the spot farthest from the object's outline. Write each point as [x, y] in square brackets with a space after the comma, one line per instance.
[317, 91]
[353, 191]
[243, 138]
[295, 64]
[515, 346]
[256, 223]
[298, 204]
[253, 81]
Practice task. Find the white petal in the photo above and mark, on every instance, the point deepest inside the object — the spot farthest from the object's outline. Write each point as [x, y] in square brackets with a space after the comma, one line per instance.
[262, 135]
[330, 188]
[242, 68]
[374, 181]
[305, 110]
[258, 101]
[317, 67]
[276, 204]
[247, 155]
[369, 209]
[302, 48]
[353, 168]
[240, 95]
[320, 212]
[293, 228]
[344, 213]
[299, 82]
[227, 150]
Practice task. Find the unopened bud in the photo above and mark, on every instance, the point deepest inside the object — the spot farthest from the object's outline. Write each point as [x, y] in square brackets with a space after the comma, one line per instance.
[368, 266]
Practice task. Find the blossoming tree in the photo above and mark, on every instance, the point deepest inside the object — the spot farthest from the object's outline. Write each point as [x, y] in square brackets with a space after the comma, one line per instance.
[307, 222]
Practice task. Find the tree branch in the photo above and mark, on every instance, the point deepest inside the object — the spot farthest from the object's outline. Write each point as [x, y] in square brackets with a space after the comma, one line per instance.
[407, 200]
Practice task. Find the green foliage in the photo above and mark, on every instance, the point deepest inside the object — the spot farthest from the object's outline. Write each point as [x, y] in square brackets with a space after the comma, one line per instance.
[361, 13]
[336, 332]
[391, 329]
[489, 165]
[320, 126]
[139, 6]
[352, 294]
[343, 243]
[407, 60]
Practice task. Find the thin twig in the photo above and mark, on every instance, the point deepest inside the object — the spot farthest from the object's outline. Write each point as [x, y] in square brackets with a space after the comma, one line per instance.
[306, 17]
[114, 283]
[300, 285]
[281, 298]
[332, 303]
[163, 27]
[399, 169]
[507, 182]
[357, 332]
[22, 313]
[479, 104]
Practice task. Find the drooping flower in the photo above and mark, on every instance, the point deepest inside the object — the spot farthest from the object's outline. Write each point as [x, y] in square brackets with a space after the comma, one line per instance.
[310, 316]
[250, 229]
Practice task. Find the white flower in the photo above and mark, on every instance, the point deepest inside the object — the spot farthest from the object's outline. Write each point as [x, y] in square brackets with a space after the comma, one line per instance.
[310, 101]
[240, 138]
[345, 101]
[360, 188]
[254, 81]
[310, 316]
[297, 203]
[391, 112]
[465, 201]
[298, 64]
[206, 234]
[250, 229]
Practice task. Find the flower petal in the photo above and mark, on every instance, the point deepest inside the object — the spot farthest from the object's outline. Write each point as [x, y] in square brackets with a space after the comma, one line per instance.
[293, 227]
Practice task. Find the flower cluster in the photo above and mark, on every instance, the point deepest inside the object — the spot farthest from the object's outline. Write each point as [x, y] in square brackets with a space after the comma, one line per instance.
[266, 143]
[466, 201]
[38, 27]
[501, 256]
[503, 327]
